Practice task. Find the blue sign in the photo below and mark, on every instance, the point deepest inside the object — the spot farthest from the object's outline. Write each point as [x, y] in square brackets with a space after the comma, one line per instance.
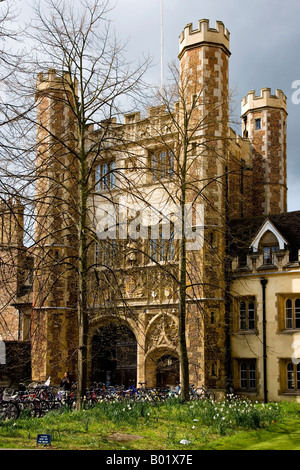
[44, 439]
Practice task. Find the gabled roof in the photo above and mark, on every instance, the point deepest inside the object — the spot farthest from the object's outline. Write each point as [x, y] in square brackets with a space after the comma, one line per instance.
[268, 226]
[244, 232]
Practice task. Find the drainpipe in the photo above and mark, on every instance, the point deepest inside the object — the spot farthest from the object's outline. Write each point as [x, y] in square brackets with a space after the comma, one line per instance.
[227, 272]
[263, 284]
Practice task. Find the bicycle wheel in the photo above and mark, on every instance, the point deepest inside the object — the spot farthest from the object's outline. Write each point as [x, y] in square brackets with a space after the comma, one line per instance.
[9, 410]
[210, 395]
[200, 394]
[56, 405]
[43, 407]
[32, 409]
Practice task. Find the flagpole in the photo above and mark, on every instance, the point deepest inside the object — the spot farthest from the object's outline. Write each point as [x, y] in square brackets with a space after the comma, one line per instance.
[161, 46]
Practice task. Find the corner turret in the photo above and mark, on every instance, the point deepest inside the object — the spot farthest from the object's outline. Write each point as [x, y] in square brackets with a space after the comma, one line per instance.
[264, 124]
[204, 35]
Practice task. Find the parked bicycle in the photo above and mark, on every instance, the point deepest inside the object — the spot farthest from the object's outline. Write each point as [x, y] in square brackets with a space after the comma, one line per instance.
[201, 393]
[27, 400]
[8, 409]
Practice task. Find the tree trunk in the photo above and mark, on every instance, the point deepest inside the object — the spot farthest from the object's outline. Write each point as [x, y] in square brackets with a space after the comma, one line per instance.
[82, 275]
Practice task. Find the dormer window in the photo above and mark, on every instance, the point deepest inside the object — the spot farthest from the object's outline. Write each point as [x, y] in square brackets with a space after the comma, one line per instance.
[269, 246]
[269, 252]
[269, 241]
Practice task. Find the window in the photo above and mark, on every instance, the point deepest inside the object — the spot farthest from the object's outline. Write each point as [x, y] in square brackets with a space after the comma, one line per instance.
[292, 313]
[248, 375]
[106, 252]
[247, 315]
[258, 124]
[293, 376]
[162, 248]
[29, 278]
[289, 312]
[162, 164]
[213, 370]
[105, 176]
[269, 246]
[269, 252]
[245, 132]
[242, 258]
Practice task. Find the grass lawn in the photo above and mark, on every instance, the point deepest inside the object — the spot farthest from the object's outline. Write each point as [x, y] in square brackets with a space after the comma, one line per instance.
[235, 425]
[279, 436]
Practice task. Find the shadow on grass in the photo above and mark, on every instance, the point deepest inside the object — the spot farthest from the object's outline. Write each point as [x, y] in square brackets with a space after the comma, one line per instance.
[279, 436]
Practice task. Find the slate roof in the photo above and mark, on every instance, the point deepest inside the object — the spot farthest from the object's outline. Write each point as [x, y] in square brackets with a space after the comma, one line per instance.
[243, 231]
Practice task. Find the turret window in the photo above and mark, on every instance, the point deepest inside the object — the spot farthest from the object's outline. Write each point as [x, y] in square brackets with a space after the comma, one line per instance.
[257, 124]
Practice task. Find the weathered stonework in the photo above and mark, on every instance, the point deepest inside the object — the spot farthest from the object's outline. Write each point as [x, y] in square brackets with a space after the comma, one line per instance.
[269, 149]
[232, 176]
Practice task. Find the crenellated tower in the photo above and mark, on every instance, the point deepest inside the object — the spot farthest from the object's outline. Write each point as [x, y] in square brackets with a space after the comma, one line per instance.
[204, 56]
[204, 61]
[232, 177]
[54, 289]
[264, 124]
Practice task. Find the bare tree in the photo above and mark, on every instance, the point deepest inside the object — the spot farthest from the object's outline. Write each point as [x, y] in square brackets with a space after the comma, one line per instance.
[83, 80]
[180, 146]
[11, 211]
[178, 157]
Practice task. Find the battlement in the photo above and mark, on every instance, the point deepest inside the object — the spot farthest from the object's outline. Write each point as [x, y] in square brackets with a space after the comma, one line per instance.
[204, 34]
[132, 118]
[265, 99]
[51, 81]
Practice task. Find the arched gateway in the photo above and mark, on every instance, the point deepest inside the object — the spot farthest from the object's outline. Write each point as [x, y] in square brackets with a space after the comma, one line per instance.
[114, 356]
[167, 371]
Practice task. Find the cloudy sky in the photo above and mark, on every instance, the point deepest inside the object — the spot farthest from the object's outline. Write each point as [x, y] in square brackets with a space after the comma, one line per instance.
[265, 47]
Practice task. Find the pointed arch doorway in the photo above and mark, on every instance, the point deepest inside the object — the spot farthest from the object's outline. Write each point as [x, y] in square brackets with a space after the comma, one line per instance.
[167, 371]
[114, 355]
